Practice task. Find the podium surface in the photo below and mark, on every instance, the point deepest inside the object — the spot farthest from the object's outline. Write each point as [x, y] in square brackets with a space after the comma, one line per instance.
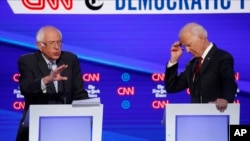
[65, 122]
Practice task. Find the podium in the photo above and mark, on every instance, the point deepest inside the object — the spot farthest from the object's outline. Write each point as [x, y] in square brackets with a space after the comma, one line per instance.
[65, 123]
[196, 122]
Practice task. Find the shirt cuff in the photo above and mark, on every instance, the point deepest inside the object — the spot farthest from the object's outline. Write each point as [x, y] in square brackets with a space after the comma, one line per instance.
[171, 64]
[43, 86]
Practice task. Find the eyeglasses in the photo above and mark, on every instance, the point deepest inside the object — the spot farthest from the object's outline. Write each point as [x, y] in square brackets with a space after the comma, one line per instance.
[53, 43]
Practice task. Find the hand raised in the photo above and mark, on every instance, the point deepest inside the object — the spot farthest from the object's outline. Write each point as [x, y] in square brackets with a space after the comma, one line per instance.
[55, 75]
[176, 51]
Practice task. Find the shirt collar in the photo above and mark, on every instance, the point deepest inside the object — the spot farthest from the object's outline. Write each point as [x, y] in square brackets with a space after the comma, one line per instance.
[47, 61]
[207, 50]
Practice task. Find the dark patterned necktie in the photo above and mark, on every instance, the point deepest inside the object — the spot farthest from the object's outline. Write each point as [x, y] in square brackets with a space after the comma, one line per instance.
[50, 65]
[198, 66]
[51, 68]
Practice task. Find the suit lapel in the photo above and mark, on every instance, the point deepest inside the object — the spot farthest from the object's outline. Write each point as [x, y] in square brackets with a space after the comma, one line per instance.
[208, 59]
[206, 62]
[194, 78]
[191, 72]
[42, 66]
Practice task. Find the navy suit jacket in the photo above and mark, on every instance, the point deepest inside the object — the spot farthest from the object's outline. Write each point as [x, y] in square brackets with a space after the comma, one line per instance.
[33, 67]
[215, 80]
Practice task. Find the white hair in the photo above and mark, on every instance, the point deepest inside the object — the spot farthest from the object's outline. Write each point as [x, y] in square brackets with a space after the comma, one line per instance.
[41, 31]
[194, 29]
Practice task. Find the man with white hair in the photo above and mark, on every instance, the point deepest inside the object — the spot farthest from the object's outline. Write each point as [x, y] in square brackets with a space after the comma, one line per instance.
[49, 76]
[209, 75]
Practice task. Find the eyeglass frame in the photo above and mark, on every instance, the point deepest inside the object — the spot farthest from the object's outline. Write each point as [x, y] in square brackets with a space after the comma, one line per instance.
[53, 43]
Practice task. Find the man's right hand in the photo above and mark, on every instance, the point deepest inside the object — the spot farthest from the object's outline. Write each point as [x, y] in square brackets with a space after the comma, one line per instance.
[176, 52]
[55, 75]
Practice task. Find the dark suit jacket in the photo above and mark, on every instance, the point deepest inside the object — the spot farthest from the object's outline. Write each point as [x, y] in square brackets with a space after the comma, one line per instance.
[216, 78]
[33, 67]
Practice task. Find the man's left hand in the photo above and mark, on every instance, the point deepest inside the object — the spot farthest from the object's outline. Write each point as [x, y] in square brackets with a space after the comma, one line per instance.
[221, 104]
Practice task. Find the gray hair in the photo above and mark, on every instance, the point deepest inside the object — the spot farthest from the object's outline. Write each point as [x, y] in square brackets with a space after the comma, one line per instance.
[194, 29]
[40, 33]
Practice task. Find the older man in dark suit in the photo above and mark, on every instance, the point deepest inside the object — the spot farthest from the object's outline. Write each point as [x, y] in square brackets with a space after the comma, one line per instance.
[209, 75]
[49, 76]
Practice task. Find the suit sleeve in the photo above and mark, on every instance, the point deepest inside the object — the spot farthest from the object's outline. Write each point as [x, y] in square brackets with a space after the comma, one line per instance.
[227, 78]
[29, 84]
[173, 81]
[78, 84]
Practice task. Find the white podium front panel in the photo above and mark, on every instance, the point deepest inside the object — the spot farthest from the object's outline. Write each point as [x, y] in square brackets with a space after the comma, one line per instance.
[202, 128]
[196, 122]
[64, 123]
[74, 128]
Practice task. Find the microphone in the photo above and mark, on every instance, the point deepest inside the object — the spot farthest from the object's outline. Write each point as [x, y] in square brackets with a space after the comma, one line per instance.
[64, 93]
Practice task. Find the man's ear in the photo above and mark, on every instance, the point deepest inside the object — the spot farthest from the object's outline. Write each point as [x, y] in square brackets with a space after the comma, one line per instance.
[39, 45]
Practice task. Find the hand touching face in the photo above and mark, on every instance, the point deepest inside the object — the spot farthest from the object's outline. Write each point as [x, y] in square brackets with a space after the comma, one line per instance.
[176, 51]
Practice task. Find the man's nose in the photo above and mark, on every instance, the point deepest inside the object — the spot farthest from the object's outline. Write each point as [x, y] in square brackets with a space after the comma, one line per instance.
[56, 46]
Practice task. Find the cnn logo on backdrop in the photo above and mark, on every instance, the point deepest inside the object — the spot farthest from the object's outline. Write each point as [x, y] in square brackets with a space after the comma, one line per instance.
[55, 6]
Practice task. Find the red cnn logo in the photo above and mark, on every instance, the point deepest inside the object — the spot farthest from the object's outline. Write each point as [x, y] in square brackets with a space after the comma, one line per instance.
[91, 77]
[237, 76]
[188, 91]
[126, 91]
[16, 77]
[159, 104]
[158, 77]
[18, 105]
[53, 4]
